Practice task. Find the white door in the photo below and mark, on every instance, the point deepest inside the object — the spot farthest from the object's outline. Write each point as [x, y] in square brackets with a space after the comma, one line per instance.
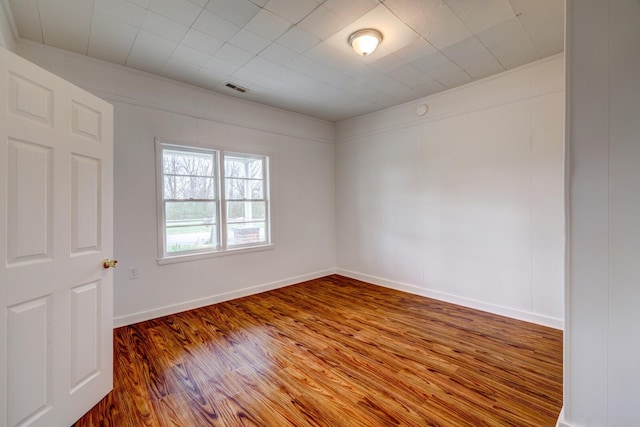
[56, 191]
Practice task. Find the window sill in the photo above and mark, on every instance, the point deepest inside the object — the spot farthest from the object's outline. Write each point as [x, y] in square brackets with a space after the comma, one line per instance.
[195, 257]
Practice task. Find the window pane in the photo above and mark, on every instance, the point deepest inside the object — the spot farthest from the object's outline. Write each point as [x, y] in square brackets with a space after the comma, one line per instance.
[234, 189]
[243, 167]
[257, 189]
[245, 211]
[189, 213]
[191, 238]
[240, 234]
[254, 168]
[187, 187]
[187, 163]
[234, 167]
[236, 211]
[190, 226]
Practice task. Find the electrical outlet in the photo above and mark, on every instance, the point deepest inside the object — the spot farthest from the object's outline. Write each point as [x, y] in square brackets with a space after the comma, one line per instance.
[133, 273]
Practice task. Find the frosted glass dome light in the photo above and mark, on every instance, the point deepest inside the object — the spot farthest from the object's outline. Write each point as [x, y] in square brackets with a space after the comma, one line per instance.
[364, 42]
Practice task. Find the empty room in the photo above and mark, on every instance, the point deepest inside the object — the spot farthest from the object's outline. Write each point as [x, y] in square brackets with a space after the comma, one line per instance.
[319, 213]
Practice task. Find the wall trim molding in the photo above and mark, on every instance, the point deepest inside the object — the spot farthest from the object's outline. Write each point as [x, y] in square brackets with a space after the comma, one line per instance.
[112, 97]
[141, 316]
[447, 115]
[433, 116]
[190, 112]
[512, 313]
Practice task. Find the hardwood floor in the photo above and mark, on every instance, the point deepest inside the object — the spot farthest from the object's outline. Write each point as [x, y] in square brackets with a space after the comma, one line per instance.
[333, 352]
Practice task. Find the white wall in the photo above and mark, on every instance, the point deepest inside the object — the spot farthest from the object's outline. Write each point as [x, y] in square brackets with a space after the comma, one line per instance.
[302, 182]
[602, 348]
[464, 204]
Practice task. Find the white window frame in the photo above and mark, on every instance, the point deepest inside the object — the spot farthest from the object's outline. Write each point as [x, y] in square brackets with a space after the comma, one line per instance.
[265, 199]
[222, 247]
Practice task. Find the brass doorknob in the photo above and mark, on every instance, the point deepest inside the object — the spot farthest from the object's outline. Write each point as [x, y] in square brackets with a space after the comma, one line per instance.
[109, 263]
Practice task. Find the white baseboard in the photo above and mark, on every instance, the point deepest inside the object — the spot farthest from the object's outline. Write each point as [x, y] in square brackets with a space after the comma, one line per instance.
[561, 422]
[454, 299]
[213, 299]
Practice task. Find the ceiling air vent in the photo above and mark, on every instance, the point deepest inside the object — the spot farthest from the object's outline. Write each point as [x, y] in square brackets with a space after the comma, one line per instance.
[236, 87]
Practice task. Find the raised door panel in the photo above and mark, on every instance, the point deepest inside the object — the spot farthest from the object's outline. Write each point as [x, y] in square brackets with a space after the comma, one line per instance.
[30, 100]
[29, 361]
[86, 180]
[85, 334]
[29, 210]
[86, 122]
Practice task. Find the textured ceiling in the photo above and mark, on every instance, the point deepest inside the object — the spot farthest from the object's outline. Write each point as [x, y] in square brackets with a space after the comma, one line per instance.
[293, 54]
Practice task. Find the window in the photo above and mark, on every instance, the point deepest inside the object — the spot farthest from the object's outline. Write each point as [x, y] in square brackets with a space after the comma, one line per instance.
[245, 199]
[211, 201]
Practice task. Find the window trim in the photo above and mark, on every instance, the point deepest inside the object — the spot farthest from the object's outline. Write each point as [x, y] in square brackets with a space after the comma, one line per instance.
[221, 249]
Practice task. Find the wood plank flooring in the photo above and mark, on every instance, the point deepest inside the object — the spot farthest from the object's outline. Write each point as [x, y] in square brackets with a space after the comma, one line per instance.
[333, 352]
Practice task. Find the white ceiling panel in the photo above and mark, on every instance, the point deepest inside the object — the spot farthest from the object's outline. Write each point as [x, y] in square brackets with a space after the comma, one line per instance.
[163, 26]
[250, 42]
[454, 79]
[415, 50]
[473, 57]
[220, 66]
[261, 65]
[122, 10]
[234, 55]
[410, 76]
[239, 12]
[443, 70]
[298, 40]
[322, 23]
[294, 54]
[521, 6]
[291, 10]
[545, 26]
[430, 61]
[268, 25]
[178, 70]
[182, 11]
[111, 40]
[509, 43]
[155, 43]
[478, 15]
[450, 32]
[190, 55]
[279, 54]
[142, 3]
[27, 18]
[146, 60]
[201, 41]
[66, 25]
[388, 63]
[346, 63]
[432, 19]
[215, 26]
[351, 10]
[430, 88]
[245, 77]
[207, 79]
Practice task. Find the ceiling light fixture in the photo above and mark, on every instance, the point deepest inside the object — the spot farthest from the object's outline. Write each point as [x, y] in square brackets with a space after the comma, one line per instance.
[364, 42]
